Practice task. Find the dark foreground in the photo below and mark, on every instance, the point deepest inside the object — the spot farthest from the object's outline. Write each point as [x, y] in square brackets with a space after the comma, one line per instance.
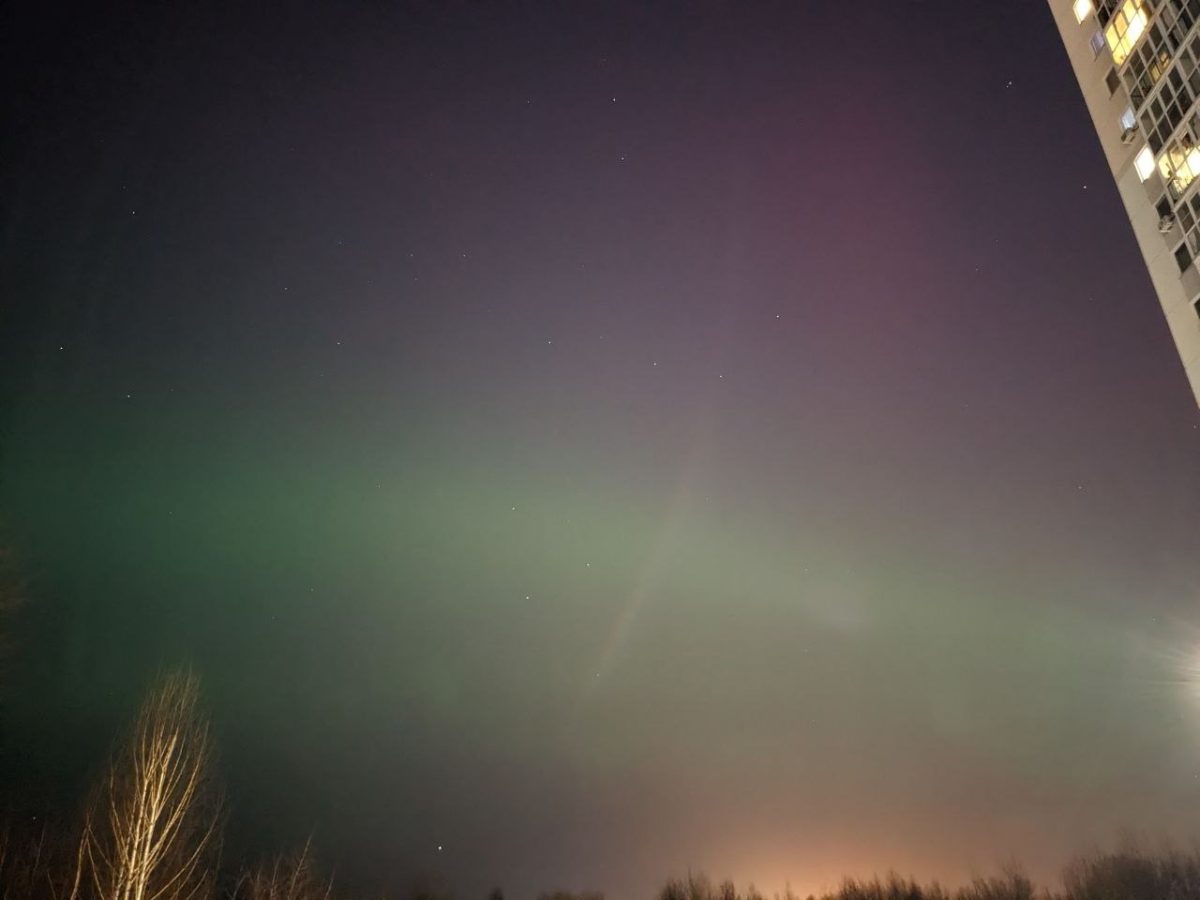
[151, 829]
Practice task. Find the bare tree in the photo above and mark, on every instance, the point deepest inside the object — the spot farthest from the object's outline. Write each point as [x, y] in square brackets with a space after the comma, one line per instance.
[288, 878]
[152, 831]
[27, 864]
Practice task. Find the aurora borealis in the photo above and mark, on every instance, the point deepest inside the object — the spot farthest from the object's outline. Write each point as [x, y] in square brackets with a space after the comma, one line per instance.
[597, 440]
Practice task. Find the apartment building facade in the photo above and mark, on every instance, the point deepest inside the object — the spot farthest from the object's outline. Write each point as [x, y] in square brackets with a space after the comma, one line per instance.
[1138, 66]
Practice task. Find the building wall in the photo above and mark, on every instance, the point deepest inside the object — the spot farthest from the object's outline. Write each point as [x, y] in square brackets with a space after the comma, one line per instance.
[1177, 281]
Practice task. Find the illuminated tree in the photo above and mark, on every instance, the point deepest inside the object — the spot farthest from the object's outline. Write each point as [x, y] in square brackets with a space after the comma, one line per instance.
[152, 831]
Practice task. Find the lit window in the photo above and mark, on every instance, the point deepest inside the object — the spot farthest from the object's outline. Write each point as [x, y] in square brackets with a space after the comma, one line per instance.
[1083, 9]
[1128, 119]
[1127, 25]
[1150, 61]
[1180, 164]
[1144, 163]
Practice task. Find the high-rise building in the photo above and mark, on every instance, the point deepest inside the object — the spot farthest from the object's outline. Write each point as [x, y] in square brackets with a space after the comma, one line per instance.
[1138, 65]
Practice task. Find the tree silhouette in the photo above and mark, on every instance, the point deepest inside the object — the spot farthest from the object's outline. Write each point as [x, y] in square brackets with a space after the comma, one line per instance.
[287, 878]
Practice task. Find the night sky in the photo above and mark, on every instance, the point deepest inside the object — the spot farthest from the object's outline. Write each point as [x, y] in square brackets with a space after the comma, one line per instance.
[596, 439]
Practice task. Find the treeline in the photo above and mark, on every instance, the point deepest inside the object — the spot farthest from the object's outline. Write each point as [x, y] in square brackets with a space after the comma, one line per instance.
[151, 830]
[1128, 874]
